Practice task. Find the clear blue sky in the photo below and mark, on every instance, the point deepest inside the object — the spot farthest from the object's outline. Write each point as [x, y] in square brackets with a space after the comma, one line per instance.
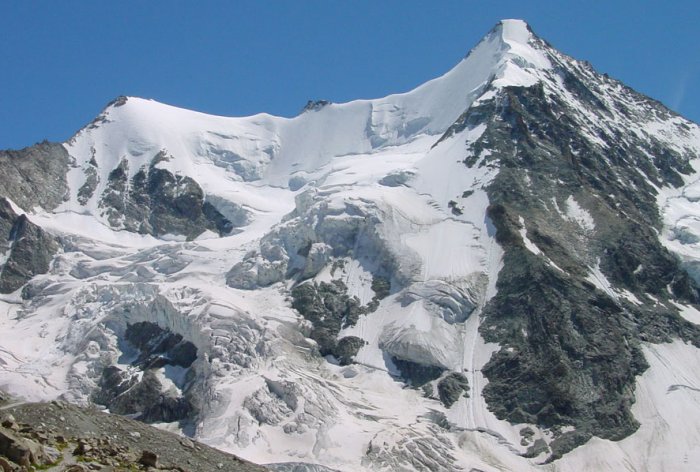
[62, 61]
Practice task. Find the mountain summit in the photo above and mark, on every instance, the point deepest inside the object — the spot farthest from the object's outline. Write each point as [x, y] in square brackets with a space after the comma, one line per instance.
[497, 270]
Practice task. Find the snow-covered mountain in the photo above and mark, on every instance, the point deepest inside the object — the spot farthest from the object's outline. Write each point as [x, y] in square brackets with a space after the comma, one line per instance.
[497, 270]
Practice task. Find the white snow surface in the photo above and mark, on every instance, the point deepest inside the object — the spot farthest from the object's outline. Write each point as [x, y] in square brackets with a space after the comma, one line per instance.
[681, 215]
[368, 162]
[579, 215]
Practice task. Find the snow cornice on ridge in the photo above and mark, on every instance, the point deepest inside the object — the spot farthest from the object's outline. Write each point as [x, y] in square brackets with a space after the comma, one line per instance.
[510, 54]
[521, 45]
[510, 40]
[512, 30]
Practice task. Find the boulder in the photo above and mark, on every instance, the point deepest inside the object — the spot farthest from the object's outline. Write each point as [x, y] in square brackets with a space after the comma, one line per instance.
[149, 459]
[24, 452]
[7, 466]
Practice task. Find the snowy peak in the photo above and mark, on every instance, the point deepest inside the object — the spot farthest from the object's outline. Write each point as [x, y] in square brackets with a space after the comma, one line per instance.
[509, 54]
[517, 31]
[522, 43]
[505, 54]
[136, 129]
[521, 54]
[222, 153]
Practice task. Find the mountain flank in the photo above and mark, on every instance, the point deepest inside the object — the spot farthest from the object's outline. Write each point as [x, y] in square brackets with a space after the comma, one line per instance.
[58, 436]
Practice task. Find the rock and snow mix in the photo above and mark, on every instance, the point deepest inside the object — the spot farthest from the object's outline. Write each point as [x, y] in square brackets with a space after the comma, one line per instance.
[330, 272]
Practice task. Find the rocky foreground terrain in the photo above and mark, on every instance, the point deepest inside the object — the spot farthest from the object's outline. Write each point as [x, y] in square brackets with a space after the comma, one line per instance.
[58, 436]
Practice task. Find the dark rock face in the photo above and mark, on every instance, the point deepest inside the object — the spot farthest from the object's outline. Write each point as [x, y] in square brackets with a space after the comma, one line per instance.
[416, 374]
[87, 190]
[31, 177]
[35, 176]
[347, 348]
[329, 309]
[571, 351]
[125, 394]
[451, 387]
[315, 105]
[381, 286]
[159, 347]
[29, 249]
[155, 201]
[139, 391]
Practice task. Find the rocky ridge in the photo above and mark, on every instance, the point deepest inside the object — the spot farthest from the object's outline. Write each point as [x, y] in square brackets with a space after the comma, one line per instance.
[570, 348]
[28, 249]
[58, 436]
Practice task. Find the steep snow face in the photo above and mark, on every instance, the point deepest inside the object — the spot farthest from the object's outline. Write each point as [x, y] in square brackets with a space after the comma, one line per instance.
[339, 322]
[132, 137]
[117, 158]
[272, 148]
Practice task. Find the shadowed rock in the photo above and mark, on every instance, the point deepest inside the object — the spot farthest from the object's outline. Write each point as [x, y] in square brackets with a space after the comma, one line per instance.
[35, 176]
[29, 249]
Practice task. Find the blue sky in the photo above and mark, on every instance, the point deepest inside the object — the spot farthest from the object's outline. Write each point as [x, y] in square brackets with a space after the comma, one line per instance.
[62, 61]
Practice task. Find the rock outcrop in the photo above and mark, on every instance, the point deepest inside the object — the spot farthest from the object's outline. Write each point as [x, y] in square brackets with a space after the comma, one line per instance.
[140, 391]
[570, 344]
[28, 249]
[65, 438]
[35, 176]
[156, 201]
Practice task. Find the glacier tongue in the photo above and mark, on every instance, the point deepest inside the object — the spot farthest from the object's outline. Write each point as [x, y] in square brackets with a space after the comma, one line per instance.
[340, 273]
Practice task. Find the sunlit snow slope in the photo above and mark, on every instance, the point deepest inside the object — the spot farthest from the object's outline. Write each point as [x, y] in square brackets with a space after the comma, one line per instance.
[333, 270]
